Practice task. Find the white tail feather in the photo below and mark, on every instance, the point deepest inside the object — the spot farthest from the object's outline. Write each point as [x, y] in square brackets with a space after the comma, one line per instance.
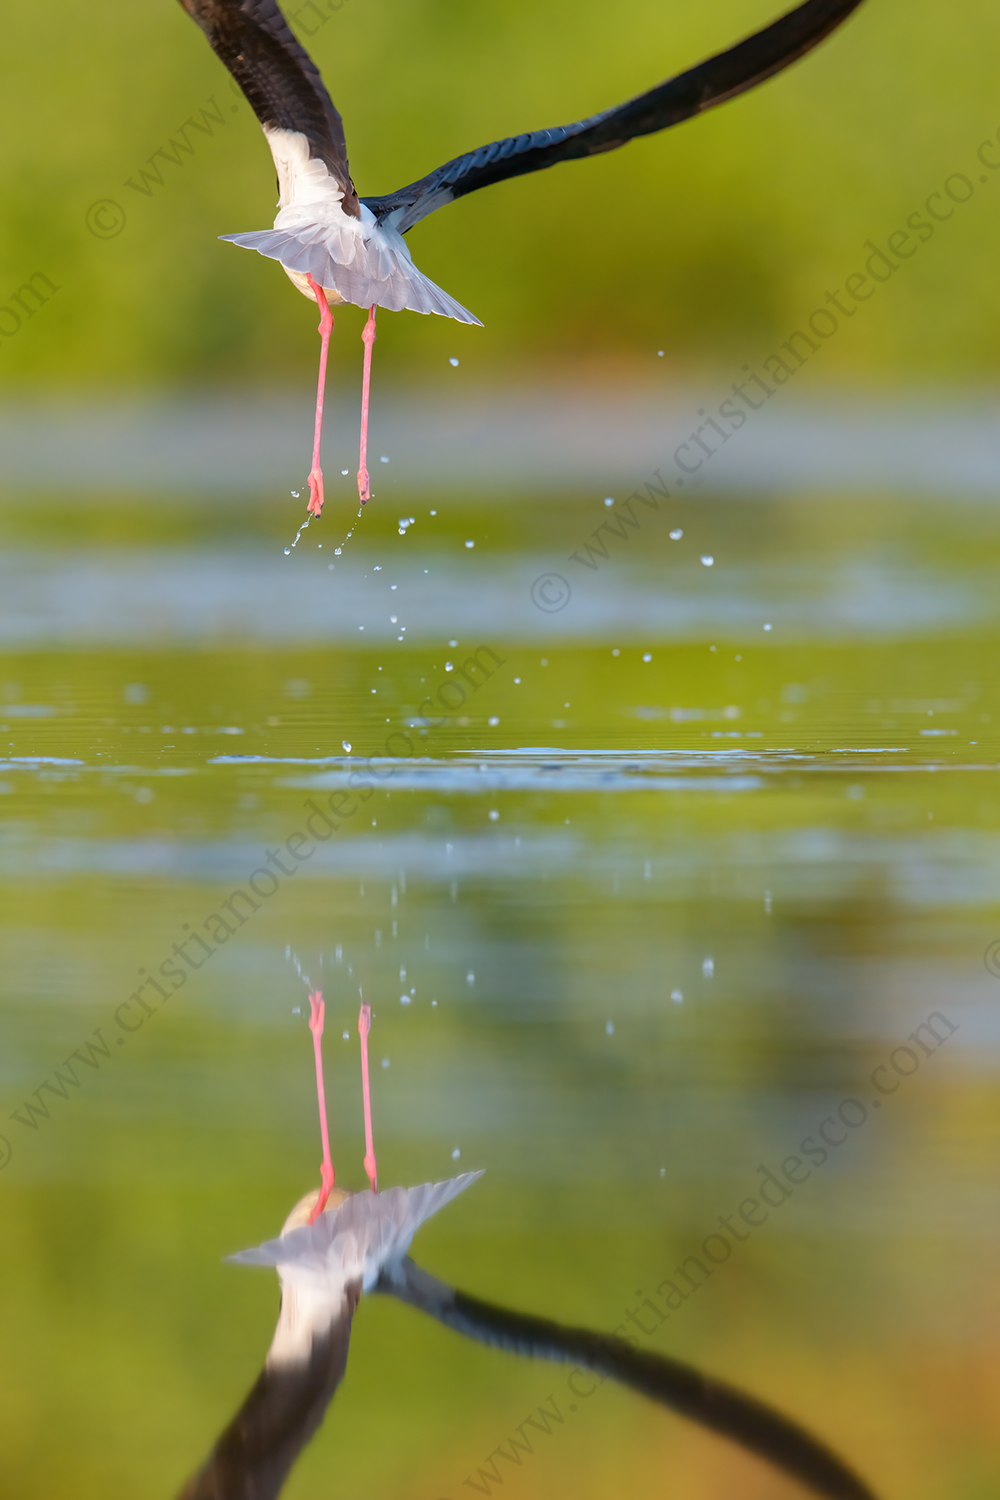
[366, 268]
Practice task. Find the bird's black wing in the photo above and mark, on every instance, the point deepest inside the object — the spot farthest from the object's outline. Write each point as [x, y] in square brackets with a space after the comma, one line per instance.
[254, 1455]
[713, 1403]
[712, 82]
[278, 76]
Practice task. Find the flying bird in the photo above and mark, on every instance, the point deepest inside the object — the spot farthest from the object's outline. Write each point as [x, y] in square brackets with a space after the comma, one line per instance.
[337, 247]
[335, 1246]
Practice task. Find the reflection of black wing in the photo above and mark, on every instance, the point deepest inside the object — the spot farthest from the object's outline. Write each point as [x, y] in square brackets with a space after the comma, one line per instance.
[278, 76]
[712, 82]
[711, 1402]
[252, 1458]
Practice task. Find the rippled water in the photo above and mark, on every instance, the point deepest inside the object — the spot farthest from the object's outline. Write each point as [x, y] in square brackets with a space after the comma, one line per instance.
[642, 889]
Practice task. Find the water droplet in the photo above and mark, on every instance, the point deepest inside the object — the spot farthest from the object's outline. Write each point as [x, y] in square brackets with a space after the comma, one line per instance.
[647, 656]
[494, 815]
[404, 999]
[346, 745]
[493, 721]
[768, 627]
[470, 978]
[347, 1036]
[470, 544]
[610, 1028]
[707, 560]
[708, 967]
[677, 996]
[456, 1153]
[453, 362]
[609, 500]
[288, 551]
[345, 471]
[295, 494]
[385, 1062]
[676, 535]
[383, 459]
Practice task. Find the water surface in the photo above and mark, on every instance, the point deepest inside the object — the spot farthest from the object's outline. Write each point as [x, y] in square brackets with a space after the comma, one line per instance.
[642, 889]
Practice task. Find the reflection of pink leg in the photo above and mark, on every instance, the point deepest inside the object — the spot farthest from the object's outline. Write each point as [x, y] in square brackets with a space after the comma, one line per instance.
[315, 505]
[364, 483]
[316, 1009]
[371, 1166]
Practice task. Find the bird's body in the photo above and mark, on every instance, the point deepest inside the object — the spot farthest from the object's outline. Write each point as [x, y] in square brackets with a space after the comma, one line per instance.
[352, 256]
[337, 247]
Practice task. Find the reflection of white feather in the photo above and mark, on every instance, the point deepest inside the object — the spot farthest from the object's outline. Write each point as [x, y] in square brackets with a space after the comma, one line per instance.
[354, 260]
[349, 1243]
[356, 1240]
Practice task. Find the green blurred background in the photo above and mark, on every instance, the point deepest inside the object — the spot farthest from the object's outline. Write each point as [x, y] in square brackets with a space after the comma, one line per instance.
[710, 241]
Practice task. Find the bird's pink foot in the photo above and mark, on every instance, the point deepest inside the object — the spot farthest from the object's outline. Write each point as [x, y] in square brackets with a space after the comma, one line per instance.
[316, 1016]
[315, 505]
[368, 338]
[364, 1026]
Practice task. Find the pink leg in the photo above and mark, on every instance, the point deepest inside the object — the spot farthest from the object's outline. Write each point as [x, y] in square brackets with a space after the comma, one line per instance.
[315, 505]
[371, 1166]
[368, 337]
[316, 1009]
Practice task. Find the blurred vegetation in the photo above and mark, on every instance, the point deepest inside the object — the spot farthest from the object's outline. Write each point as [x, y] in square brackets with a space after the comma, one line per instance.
[710, 242]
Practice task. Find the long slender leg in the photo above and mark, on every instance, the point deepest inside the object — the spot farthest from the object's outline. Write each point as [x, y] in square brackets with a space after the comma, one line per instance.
[316, 1011]
[368, 337]
[315, 505]
[371, 1165]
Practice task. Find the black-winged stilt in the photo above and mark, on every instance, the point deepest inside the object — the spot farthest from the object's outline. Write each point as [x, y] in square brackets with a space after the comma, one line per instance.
[335, 1245]
[337, 247]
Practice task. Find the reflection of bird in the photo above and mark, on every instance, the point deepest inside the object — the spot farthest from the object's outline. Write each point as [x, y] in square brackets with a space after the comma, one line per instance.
[337, 247]
[359, 1242]
[323, 1267]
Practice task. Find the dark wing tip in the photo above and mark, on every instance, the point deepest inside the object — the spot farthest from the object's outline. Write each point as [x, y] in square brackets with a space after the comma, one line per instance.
[719, 78]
